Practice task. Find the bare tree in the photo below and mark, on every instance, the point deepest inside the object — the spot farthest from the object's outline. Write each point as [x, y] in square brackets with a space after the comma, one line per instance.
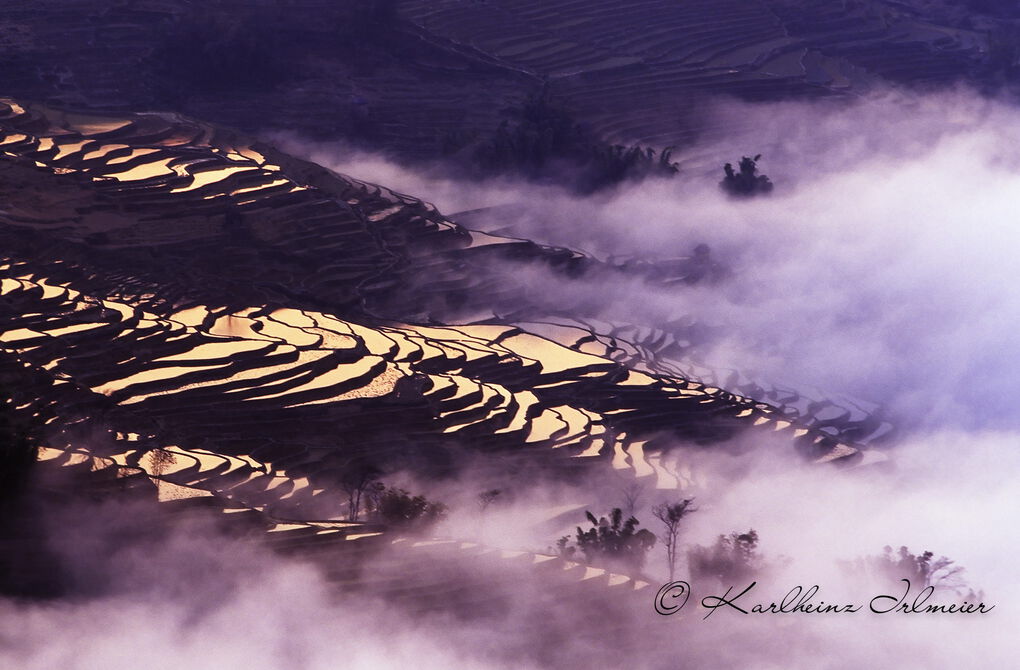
[358, 477]
[670, 514]
[632, 494]
[161, 460]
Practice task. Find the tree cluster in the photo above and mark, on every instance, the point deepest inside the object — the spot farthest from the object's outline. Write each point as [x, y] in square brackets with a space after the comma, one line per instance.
[732, 559]
[370, 499]
[610, 542]
[541, 141]
[746, 182]
[922, 569]
[397, 508]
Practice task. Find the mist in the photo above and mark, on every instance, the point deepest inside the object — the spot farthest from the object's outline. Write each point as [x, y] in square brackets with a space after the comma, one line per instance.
[191, 595]
[882, 268]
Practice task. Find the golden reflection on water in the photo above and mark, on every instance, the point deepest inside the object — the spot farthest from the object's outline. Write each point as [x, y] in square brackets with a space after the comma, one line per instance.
[303, 358]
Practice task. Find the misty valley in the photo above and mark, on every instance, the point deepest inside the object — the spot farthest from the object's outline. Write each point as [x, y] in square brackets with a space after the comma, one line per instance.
[508, 334]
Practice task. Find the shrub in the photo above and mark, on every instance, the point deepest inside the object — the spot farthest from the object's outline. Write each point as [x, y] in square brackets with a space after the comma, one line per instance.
[397, 508]
[731, 560]
[611, 542]
[747, 182]
[922, 570]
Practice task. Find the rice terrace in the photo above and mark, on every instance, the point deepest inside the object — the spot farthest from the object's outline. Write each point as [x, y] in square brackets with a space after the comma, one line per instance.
[508, 334]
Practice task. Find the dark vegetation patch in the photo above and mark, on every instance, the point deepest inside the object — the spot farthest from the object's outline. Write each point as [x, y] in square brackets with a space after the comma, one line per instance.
[611, 542]
[746, 182]
[542, 141]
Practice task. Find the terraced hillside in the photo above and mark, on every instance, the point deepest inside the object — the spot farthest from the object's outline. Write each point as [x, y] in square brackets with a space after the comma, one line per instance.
[236, 324]
[409, 80]
[640, 70]
[220, 361]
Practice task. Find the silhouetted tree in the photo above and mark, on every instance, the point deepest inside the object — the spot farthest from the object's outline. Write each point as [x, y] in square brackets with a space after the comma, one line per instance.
[632, 493]
[161, 460]
[613, 541]
[670, 514]
[358, 480]
[747, 181]
[730, 560]
[606, 166]
[922, 570]
[398, 508]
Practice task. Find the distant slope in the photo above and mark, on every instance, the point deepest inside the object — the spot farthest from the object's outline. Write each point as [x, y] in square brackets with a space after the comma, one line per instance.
[411, 80]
